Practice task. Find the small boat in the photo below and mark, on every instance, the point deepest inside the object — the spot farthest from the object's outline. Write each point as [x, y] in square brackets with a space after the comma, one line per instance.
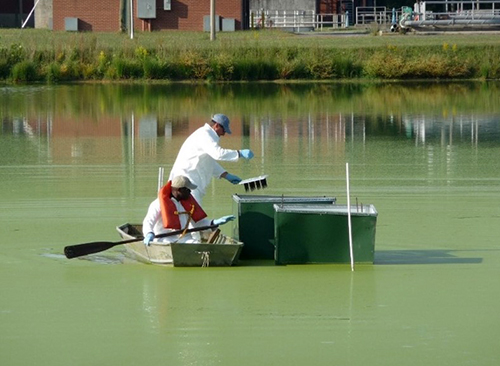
[216, 250]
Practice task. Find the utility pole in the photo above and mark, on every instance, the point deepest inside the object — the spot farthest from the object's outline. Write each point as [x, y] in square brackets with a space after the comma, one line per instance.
[212, 20]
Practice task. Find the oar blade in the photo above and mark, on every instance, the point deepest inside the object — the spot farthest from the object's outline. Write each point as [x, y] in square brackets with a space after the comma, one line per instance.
[73, 251]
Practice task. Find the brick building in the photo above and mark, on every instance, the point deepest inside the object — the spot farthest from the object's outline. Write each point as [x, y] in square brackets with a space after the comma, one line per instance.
[112, 16]
[184, 15]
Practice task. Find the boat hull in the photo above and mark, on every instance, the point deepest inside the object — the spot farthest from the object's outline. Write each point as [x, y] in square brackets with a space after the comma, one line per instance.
[155, 253]
[224, 251]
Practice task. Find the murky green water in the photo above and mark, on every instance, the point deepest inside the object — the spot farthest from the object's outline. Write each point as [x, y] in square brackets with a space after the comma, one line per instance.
[75, 161]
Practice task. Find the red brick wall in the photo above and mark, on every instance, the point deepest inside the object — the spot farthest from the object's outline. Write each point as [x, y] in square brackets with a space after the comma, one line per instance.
[104, 15]
[93, 15]
[188, 14]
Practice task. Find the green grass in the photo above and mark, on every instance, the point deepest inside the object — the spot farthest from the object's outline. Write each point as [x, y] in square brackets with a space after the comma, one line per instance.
[29, 55]
[49, 40]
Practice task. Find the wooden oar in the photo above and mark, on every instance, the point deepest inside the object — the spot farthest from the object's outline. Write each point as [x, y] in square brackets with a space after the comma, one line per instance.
[78, 250]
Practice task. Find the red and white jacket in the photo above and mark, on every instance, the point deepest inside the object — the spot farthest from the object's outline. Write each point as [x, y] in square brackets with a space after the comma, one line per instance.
[166, 214]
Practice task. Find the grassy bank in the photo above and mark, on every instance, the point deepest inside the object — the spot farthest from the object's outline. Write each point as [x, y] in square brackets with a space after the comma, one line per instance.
[44, 56]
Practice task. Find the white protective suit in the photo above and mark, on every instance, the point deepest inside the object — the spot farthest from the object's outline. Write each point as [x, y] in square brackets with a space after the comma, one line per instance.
[197, 159]
[154, 223]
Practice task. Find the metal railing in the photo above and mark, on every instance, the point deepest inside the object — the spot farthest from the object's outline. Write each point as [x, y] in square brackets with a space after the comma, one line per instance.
[455, 11]
[295, 19]
[372, 14]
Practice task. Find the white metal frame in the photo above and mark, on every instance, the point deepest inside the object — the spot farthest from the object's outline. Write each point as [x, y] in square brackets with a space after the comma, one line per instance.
[296, 19]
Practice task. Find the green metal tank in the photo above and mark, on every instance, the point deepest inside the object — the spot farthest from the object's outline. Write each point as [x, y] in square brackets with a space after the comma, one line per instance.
[255, 221]
[320, 233]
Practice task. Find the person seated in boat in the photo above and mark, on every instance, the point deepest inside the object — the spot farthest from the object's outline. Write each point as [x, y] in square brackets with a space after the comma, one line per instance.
[199, 155]
[176, 209]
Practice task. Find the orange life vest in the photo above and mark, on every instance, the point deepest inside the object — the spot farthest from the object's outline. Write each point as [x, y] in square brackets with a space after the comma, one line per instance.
[169, 213]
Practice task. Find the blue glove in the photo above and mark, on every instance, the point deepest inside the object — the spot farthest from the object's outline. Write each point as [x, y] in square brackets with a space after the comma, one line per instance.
[223, 220]
[233, 178]
[148, 238]
[247, 154]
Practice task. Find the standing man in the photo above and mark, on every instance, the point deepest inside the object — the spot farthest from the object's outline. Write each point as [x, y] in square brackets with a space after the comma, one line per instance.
[198, 156]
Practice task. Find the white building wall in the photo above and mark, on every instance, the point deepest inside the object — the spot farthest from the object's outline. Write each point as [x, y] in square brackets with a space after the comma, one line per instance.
[289, 5]
[43, 14]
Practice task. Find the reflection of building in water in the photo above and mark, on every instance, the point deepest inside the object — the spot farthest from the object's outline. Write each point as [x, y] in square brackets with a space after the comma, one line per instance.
[308, 134]
[451, 130]
[309, 129]
[318, 141]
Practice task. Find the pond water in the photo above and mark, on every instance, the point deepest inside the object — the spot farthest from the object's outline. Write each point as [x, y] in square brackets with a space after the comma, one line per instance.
[78, 160]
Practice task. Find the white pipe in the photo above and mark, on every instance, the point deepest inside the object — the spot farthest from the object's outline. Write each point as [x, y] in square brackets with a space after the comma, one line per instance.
[351, 252]
[132, 137]
[131, 19]
[160, 178]
[29, 15]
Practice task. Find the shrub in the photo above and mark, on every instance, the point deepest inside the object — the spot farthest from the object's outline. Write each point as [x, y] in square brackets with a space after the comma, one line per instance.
[194, 65]
[153, 69]
[320, 67]
[221, 67]
[71, 70]
[16, 54]
[4, 69]
[24, 71]
[125, 69]
[53, 73]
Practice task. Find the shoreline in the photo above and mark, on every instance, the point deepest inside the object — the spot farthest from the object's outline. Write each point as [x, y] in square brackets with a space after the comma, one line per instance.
[41, 56]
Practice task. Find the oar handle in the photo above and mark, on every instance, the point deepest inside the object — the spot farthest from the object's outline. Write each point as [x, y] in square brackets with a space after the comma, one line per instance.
[177, 232]
[170, 233]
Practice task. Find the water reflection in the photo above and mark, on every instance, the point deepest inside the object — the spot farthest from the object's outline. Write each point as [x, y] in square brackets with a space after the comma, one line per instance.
[385, 257]
[314, 127]
[301, 134]
[331, 111]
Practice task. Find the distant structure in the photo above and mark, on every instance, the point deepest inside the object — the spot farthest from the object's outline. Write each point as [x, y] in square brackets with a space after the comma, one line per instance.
[185, 15]
[231, 15]
[447, 15]
[148, 15]
[43, 14]
[13, 13]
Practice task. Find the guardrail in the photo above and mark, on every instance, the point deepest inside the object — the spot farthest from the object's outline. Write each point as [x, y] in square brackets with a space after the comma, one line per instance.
[483, 11]
[296, 20]
[372, 14]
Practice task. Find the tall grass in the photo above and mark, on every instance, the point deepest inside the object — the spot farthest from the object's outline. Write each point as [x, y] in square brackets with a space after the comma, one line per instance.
[40, 55]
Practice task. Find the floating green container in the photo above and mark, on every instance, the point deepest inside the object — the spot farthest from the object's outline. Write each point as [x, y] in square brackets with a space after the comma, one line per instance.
[320, 233]
[255, 221]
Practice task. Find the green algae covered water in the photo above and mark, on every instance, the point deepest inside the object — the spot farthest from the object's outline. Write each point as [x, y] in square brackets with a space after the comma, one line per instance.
[76, 161]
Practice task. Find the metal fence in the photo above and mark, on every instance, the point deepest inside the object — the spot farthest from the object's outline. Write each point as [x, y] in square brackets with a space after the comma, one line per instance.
[444, 12]
[372, 14]
[296, 20]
